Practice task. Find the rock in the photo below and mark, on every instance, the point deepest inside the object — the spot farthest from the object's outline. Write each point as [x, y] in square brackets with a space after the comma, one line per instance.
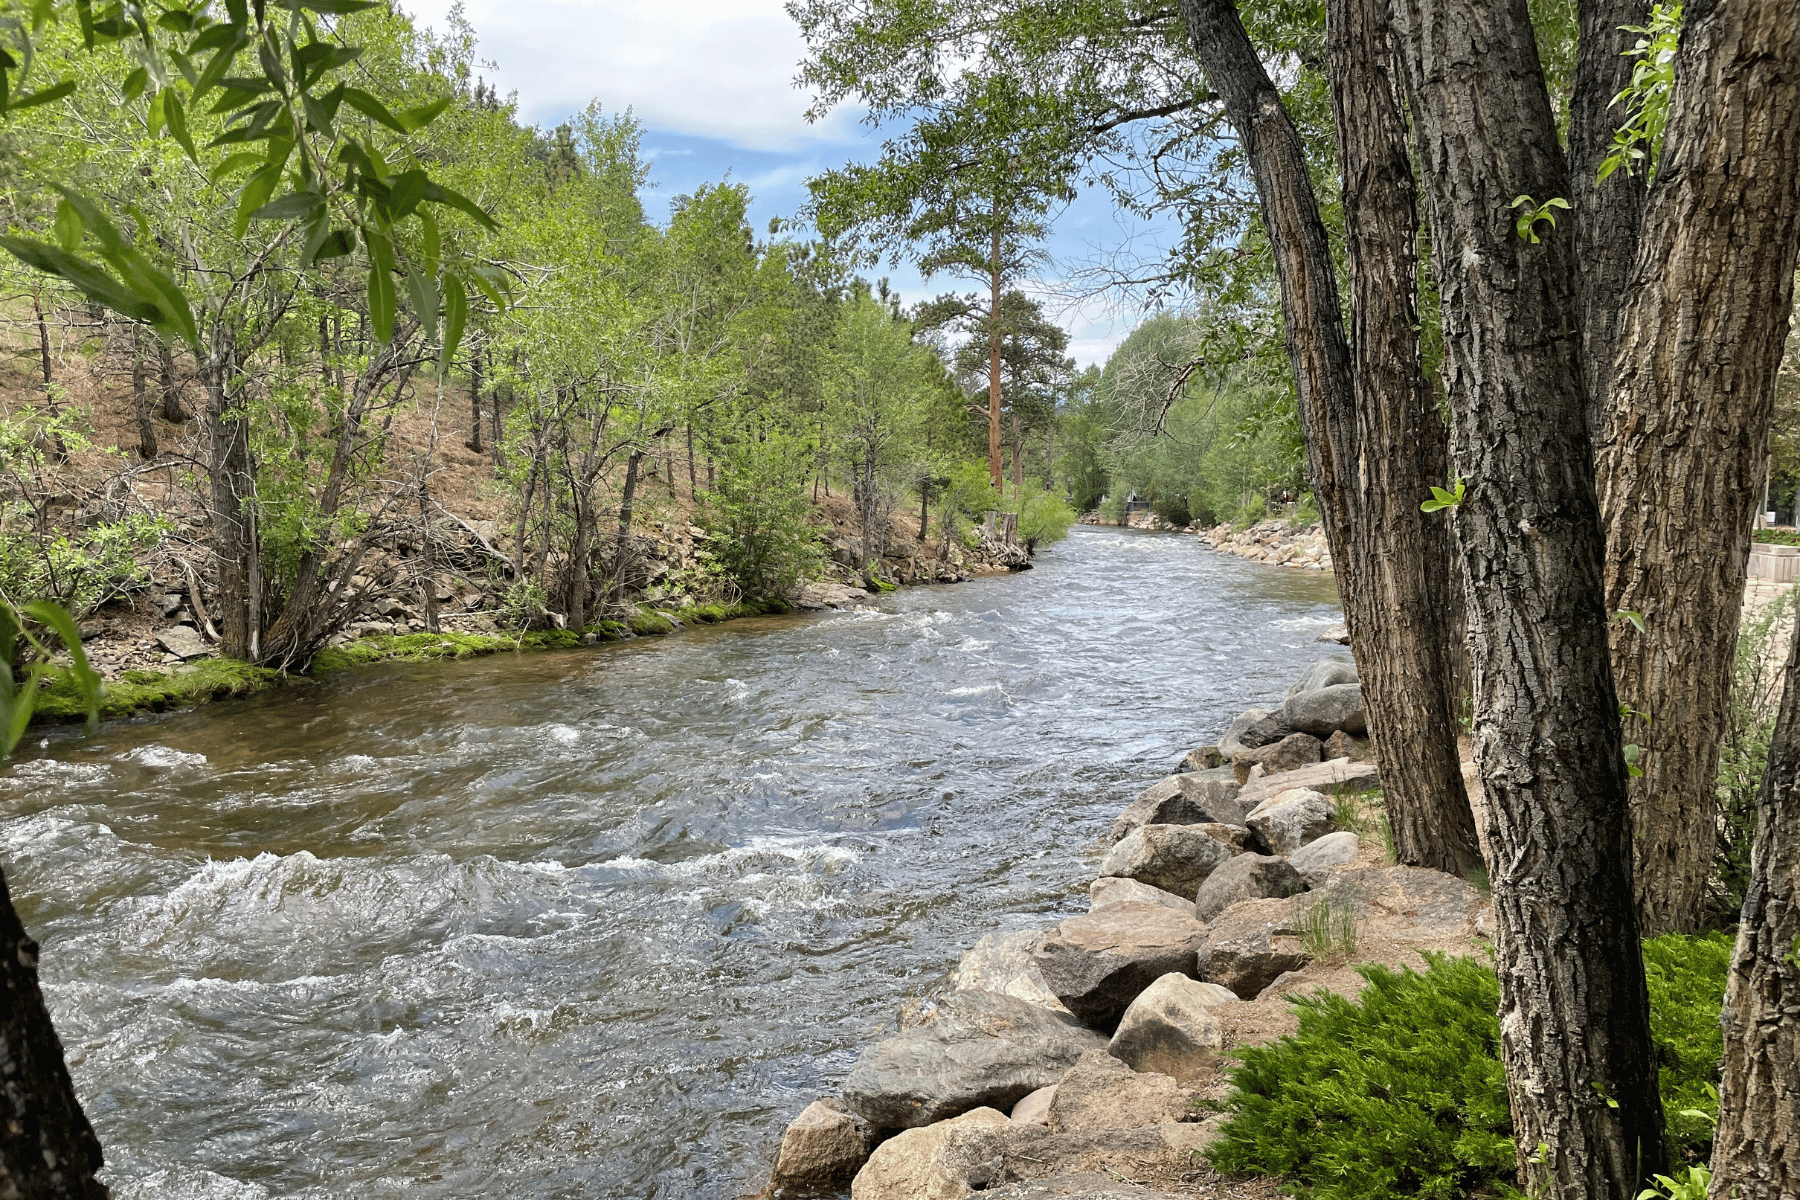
[1110, 890]
[1327, 672]
[1175, 858]
[184, 642]
[816, 596]
[1002, 962]
[824, 1147]
[391, 607]
[1097, 964]
[1035, 1108]
[167, 602]
[1082, 1185]
[1315, 859]
[1247, 877]
[945, 1161]
[1284, 983]
[1337, 633]
[1102, 1093]
[1171, 1029]
[1289, 820]
[1266, 732]
[1333, 778]
[1201, 759]
[1250, 944]
[1342, 745]
[1327, 710]
[1412, 903]
[1037, 1150]
[1181, 800]
[1293, 751]
[1228, 741]
[977, 1048]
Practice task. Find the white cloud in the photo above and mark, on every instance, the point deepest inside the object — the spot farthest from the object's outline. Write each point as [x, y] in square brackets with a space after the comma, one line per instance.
[702, 67]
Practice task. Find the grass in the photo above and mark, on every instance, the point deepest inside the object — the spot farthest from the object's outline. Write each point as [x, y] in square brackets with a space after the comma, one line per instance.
[1328, 930]
[154, 691]
[1364, 814]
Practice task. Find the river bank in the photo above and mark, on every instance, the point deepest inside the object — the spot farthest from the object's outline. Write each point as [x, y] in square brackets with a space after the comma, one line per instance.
[1069, 1056]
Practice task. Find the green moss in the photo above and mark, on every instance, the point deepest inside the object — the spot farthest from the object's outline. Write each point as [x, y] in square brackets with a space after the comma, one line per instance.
[411, 647]
[879, 584]
[708, 614]
[650, 624]
[153, 691]
[610, 631]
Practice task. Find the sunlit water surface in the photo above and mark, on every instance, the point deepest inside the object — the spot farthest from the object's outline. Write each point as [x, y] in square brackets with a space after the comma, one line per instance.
[599, 923]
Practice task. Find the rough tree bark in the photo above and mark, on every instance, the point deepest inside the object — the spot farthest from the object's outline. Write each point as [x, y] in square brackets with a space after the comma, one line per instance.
[140, 397]
[1756, 1148]
[993, 404]
[1687, 432]
[474, 442]
[172, 411]
[1361, 495]
[233, 484]
[1606, 215]
[1399, 560]
[1574, 1011]
[48, 1150]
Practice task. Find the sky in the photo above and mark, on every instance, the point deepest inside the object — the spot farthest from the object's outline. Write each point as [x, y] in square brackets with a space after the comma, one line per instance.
[713, 84]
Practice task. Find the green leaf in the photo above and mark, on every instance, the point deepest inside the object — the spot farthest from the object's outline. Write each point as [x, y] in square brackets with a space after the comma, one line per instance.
[68, 226]
[415, 119]
[135, 83]
[407, 189]
[437, 193]
[456, 316]
[256, 193]
[178, 127]
[93, 282]
[1635, 618]
[292, 207]
[423, 293]
[335, 8]
[381, 286]
[431, 243]
[55, 91]
[493, 285]
[372, 108]
[237, 162]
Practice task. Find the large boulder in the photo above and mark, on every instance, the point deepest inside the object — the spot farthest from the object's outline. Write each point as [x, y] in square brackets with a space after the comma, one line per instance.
[1247, 877]
[976, 1048]
[1293, 751]
[1250, 945]
[1036, 1151]
[1316, 859]
[1103, 1093]
[1002, 962]
[1342, 745]
[1406, 903]
[1333, 778]
[944, 1161]
[1266, 732]
[1182, 800]
[1327, 672]
[1171, 1029]
[1228, 741]
[1110, 890]
[823, 1148]
[1097, 964]
[1201, 758]
[1175, 858]
[1327, 710]
[1289, 820]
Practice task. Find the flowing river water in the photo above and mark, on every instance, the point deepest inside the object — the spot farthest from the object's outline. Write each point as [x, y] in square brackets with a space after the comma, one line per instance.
[599, 923]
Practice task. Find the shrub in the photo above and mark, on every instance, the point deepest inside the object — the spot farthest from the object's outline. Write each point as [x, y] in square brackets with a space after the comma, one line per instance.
[1756, 674]
[1044, 517]
[1776, 537]
[1173, 510]
[1401, 1092]
[760, 516]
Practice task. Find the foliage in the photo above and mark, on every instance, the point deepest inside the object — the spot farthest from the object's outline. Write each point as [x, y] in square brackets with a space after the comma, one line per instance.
[1692, 1183]
[155, 691]
[1400, 1092]
[760, 516]
[1756, 680]
[1776, 537]
[1638, 141]
[1044, 516]
[1328, 929]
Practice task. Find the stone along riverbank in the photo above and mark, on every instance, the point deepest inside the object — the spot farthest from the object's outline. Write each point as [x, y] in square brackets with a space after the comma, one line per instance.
[602, 923]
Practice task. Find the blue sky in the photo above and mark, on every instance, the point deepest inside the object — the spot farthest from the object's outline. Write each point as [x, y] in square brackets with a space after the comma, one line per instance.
[712, 83]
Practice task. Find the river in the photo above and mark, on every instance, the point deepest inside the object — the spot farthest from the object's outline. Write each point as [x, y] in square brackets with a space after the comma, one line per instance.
[598, 923]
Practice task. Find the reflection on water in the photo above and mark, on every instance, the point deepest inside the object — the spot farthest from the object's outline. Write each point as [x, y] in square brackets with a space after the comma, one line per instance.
[598, 923]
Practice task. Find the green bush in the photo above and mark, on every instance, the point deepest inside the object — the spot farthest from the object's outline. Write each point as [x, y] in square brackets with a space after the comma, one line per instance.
[1044, 517]
[1776, 537]
[760, 515]
[1401, 1092]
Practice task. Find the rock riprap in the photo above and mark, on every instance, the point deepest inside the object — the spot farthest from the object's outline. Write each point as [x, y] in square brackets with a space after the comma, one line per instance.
[1002, 962]
[1171, 1029]
[1324, 712]
[1109, 890]
[1293, 750]
[1098, 964]
[1100, 1093]
[1250, 945]
[1190, 799]
[1289, 820]
[823, 1148]
[1175, 858]
[976, 1048]
[1247, 877]
[1315, 859]
[945, 1161]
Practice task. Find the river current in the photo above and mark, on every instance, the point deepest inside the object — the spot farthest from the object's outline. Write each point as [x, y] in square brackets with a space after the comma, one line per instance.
[598, 923]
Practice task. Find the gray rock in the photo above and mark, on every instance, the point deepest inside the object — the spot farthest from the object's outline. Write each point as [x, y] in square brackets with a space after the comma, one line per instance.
[1238, 837]
[1289, 820]
[1097, 964]
[824, 1147]
[1266, 732]
[391, 607]
[184, 642]
[1250, 945]
[945, 1161]
[1110, 890]
[1327, 672]
[1247, 877]
[1102, 1093]
[977, 1048]
[1337, 633]
[1201, 759]
[1035, 1151]
[1171, 1029]
[167, 602]
[1228, 741]
[1333, 778]
[1082, 1185]
[1181, 800]
[1410, 903]
[1291, 752]
[1002, 962]
[1315, 859]
[1035, 1108]
[1327, 710]
[1342, 745]
[1175, 858]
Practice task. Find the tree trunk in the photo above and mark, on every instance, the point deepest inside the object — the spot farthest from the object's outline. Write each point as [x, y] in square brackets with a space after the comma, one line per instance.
[1429, 810]
[1607, 215]
[43, 326]
[993, 405]
[234, 543]
[1756, 1147]
[1686, 445]
[140, 397]
[1398, 569]
[172, 411]
[629, 493]
[1574, 1011]
[474, 442]
[48, 1150]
